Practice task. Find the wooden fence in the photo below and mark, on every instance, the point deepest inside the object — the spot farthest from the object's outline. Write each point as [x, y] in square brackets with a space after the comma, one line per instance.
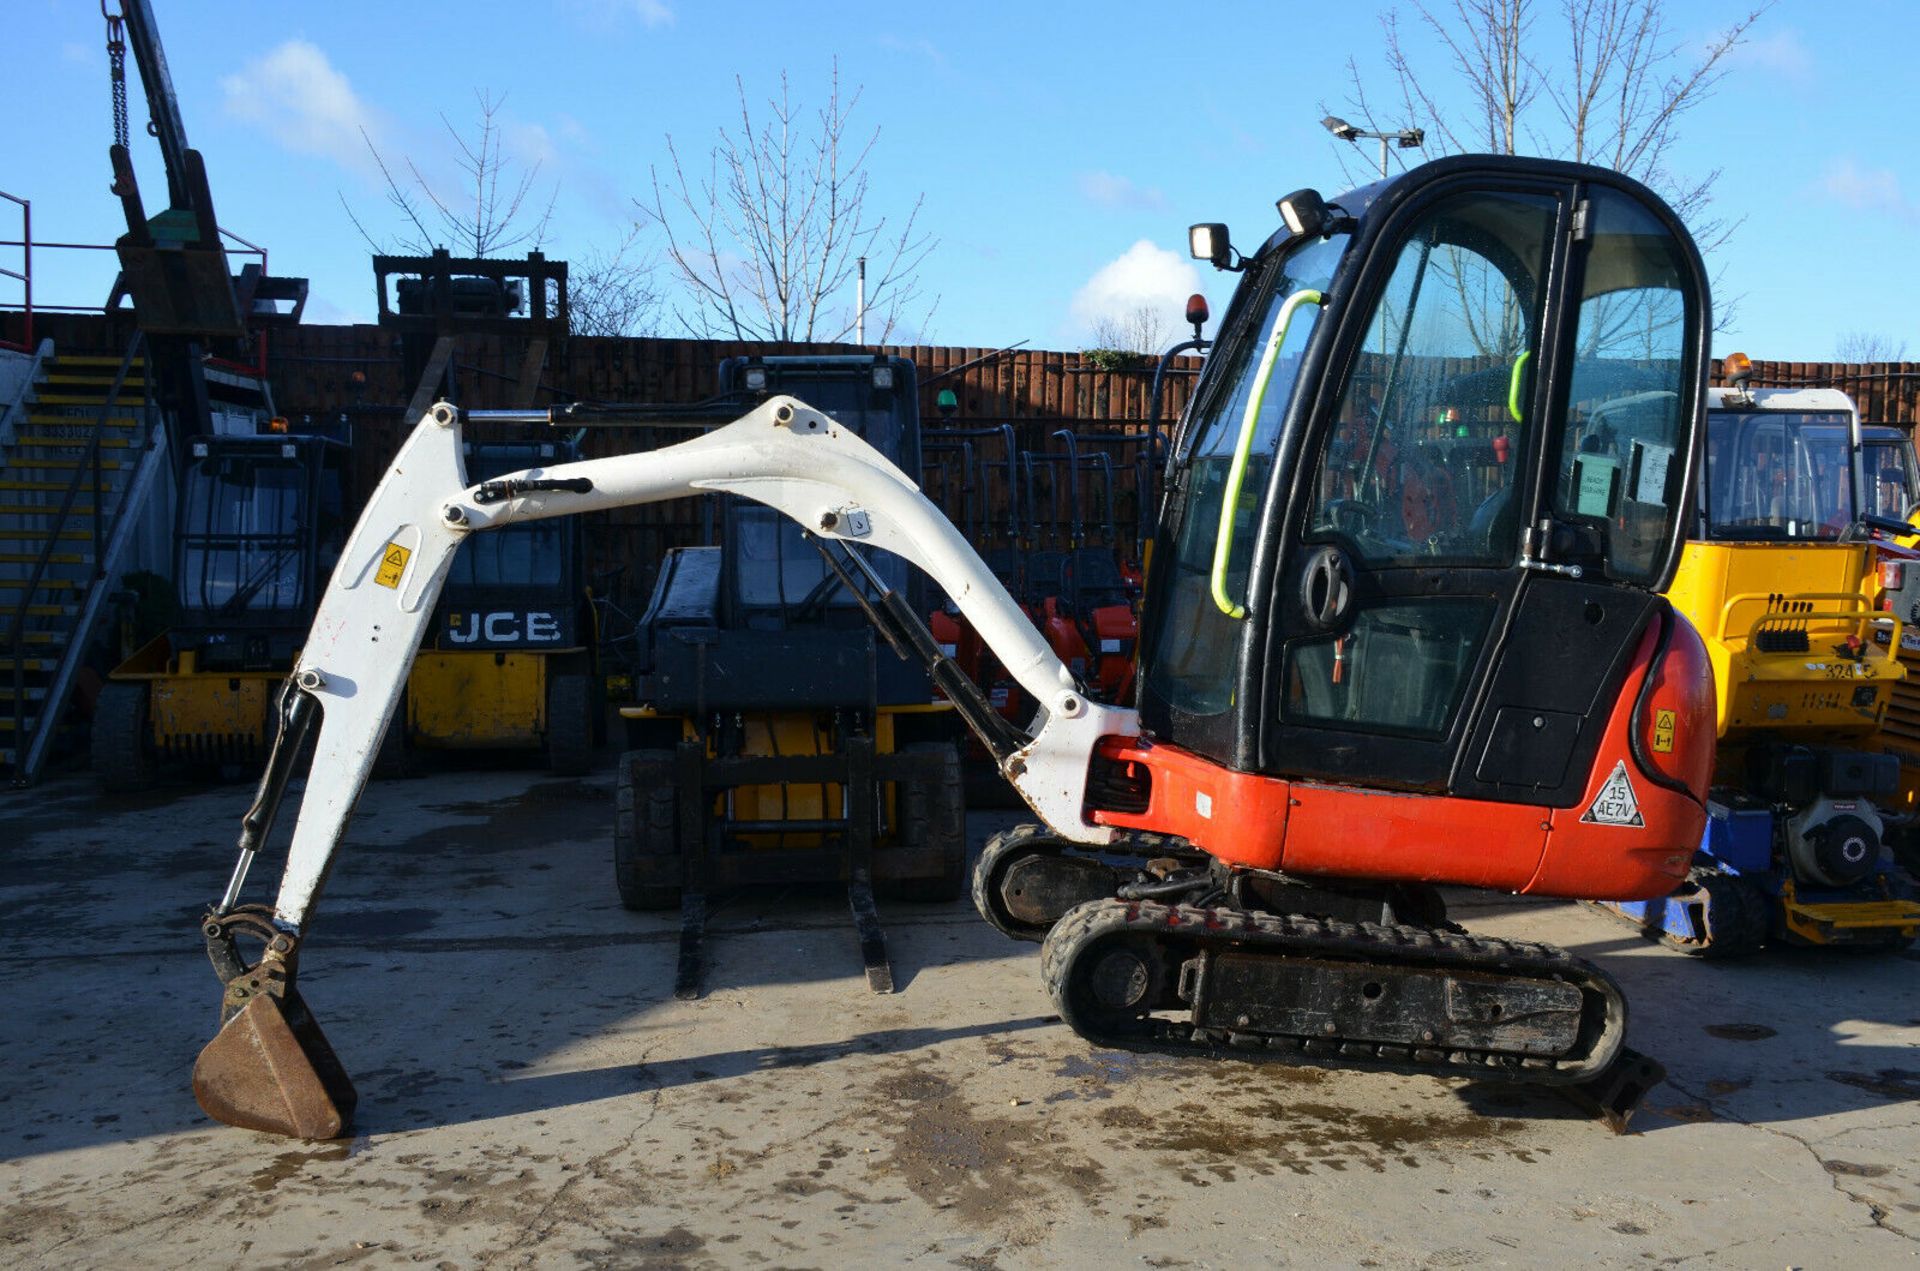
[324, 372]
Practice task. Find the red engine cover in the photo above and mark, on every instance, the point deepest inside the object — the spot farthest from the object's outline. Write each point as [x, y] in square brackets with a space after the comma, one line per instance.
[1593, 850]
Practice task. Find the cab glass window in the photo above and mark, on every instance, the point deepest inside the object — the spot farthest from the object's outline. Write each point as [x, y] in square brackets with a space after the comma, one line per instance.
[1432, 424]
[1777, 476]
[1620, 469]
[1887, 459]
[1192, 641]
[241, 536]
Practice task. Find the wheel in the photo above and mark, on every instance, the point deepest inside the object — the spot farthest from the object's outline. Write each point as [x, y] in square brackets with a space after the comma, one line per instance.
[570, 723]
[933, 814]
[122, 744]
[1000, 854]
[644, 829]
[1739, 913]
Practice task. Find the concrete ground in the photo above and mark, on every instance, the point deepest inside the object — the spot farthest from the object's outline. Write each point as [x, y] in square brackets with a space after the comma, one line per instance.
[531, 1093]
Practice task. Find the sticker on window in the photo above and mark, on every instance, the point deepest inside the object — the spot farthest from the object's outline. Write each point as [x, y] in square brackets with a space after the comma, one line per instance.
[1595, 475]
[1616, 803]
[1650, 471]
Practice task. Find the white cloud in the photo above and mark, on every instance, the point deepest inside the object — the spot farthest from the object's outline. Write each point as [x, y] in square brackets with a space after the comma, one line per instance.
[654, 13]
[1867, 189]
[920, 46]
[294, 95]
[1108, 190]
[527, 143]
[575, 133]
[323, 312]
[1783, 55]
[1142, 275]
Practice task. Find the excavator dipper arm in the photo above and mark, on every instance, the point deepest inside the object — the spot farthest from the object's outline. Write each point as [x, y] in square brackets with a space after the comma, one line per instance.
[355, 662]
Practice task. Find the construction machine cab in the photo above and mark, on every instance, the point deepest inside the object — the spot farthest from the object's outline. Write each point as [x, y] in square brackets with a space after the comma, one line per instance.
[1779, 578]
[772, 578]
[522, 588]
[1431, 483]
[259, 527]
[510, 663]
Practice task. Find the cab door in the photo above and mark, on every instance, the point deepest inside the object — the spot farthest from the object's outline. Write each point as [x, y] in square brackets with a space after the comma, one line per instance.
[1486, 502]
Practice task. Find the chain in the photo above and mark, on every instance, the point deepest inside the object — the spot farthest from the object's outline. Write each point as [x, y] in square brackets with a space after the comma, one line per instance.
[117, 73]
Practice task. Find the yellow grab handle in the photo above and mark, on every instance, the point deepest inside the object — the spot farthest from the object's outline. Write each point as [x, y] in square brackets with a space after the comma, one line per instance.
[1243, 446]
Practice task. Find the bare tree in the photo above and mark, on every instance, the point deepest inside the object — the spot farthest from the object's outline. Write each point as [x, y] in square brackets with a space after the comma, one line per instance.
[1602, 81]
[1869, 346]
[767, 242]
[615, 292]
[1140, 330]
[482, 217]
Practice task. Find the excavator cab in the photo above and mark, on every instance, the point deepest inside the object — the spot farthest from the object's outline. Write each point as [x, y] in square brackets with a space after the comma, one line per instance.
[1421, 509]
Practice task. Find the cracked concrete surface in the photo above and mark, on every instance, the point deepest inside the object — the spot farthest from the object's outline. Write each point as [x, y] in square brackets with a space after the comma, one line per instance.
[532, 1095]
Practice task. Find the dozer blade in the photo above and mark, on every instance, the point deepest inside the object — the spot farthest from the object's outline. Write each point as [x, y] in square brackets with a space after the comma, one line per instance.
[270, 1068]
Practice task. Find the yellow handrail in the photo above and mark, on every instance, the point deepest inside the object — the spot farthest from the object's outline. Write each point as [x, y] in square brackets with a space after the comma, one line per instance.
[1858, 611]
[1243, 446]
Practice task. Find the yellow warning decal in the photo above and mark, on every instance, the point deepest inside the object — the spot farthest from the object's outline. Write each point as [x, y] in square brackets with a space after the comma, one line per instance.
[393, 563]
[1663, 726]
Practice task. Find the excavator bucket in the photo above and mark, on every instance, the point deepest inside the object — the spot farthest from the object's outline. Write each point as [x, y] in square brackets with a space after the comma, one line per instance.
[270, 1068]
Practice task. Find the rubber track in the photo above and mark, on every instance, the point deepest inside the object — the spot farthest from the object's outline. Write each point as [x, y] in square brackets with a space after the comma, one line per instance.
[1602, 1032]
[1000, 849]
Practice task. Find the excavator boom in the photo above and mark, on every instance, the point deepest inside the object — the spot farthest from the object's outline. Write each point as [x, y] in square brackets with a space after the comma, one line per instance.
[352, 673]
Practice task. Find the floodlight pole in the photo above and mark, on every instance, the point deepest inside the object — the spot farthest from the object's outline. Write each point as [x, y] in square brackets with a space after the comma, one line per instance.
[1406, 138]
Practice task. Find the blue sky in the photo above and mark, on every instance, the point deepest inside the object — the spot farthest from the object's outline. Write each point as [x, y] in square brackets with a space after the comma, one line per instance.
[1062, 149]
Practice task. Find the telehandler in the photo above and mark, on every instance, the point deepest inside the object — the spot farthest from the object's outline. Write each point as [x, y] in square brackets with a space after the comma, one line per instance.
[1335, 715]
[1778, 576]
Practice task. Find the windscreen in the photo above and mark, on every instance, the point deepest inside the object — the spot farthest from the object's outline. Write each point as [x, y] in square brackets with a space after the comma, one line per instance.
[241, 536]
[1190, 640]
[1892, 481]
[1777, 476]
[778, 569]
[527, 554]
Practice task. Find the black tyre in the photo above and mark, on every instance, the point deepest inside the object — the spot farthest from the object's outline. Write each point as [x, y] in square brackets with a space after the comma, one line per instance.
[570, 723]
[644, 830]
[1739, 913]
[122, 744]
[933, 814]
[989, 876]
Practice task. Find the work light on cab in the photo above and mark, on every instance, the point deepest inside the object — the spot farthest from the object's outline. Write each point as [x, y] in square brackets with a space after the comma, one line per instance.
[1304, 212]
[1209, 242]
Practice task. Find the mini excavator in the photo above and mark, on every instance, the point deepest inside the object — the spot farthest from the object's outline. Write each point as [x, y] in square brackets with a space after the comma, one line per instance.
[1404, 628]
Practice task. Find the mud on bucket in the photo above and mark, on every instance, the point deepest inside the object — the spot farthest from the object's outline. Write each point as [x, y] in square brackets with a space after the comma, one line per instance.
[270, 1068]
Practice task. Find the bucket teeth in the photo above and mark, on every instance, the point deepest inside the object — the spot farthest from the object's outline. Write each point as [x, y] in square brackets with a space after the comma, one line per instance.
[270, 1068]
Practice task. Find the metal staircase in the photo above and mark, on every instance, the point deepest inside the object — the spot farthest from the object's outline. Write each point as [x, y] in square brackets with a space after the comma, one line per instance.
[78, 453]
